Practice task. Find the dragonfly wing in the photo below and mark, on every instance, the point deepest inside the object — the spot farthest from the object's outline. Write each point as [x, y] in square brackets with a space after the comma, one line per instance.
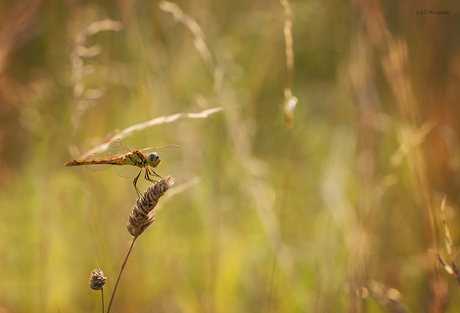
[118, 147]
[163, 151]
[127, 171]
[93, 166]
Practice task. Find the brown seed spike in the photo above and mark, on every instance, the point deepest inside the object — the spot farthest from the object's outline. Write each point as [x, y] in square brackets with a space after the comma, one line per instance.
[97, 280]
[141, 216]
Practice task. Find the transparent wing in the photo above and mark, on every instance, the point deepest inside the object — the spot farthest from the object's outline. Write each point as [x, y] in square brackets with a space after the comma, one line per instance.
[163, 151]
[97, 167]
[118, 147]
[127, 171]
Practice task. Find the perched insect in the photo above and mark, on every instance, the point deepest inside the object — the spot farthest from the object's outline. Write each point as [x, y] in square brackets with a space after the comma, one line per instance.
[119, 153]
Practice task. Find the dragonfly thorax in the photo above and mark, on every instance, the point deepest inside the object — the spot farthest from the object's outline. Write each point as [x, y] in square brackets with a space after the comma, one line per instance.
[154, 159]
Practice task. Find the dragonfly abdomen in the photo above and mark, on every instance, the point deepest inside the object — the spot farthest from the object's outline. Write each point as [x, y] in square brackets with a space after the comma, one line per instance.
[75, 163]
[113, 161]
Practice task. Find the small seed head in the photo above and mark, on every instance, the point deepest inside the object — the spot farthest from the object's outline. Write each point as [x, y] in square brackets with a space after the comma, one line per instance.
[97, 280]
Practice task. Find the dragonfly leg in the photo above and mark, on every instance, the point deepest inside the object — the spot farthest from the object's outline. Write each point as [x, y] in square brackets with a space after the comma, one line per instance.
[147, 176]
[153, 173]
[135, 184]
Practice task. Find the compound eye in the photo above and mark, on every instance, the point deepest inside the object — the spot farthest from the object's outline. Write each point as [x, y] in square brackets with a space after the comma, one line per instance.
[153, 157]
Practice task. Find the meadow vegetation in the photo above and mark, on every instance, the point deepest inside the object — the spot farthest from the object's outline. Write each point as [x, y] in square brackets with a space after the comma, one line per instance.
[317, 143]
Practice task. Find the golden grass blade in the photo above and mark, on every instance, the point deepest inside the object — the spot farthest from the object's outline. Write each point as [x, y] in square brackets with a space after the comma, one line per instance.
[445, 265]
[199, 39]
[290, 101]
[446, 229]
[84, 99]
[454, 269]
[153, 122]
[411, 141]
[289, 42]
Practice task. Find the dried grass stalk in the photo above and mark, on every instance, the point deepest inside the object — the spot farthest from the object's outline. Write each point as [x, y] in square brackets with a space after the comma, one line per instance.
[453, 269]
[199, 39]
[141, 126]
[288, 42]
[142, 216]
[82, 98]
[290, 101]
[413, 139]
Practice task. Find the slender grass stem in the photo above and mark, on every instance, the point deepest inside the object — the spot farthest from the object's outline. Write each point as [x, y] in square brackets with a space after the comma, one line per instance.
[453, 269]
[119, 275]
[282, 218]
[102, 294]
[290, 103]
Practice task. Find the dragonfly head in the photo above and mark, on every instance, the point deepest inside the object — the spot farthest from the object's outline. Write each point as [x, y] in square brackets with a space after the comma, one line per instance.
[154, 159]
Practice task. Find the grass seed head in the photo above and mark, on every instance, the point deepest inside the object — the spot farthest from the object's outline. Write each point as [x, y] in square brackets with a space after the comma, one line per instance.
[141, 216]
[97, 280]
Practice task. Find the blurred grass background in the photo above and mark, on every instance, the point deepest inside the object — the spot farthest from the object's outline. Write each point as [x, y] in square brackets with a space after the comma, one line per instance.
[345, 218]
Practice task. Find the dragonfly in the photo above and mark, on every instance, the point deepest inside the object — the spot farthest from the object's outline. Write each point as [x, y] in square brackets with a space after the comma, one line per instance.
[128, 161]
